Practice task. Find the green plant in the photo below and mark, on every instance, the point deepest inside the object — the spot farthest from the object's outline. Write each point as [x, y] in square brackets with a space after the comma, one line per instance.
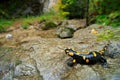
[109, 34]
[113, 19]
[102, 19]
[4, 24]
[49, 25]
[50, 16]
[2, 29]
[75, 8]
[103, 14]
[25, 26]
[26, 21]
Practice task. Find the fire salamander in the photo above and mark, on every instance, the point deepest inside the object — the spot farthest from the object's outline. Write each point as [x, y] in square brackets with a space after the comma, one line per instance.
[88, 59]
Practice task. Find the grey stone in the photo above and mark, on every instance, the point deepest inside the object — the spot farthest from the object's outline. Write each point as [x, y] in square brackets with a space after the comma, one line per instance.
[113, 49]
[116, 75]
[83, 73]
[8, 76]
[72, 27]
[65, 32]
[9, 36]
[25, 70]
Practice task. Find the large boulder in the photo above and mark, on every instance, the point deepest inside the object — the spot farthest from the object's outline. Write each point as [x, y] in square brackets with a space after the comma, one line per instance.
[25, 8]
[48, 4]
[6, 70]
[49, 55]
[67, 28]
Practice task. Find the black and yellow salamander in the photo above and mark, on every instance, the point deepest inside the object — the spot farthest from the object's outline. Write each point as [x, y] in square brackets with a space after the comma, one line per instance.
[88, 59]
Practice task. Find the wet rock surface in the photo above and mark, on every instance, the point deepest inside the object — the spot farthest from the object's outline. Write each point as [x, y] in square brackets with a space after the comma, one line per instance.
[45, 59]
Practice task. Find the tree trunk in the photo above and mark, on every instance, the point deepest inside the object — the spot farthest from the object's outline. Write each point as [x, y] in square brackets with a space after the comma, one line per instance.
[87, 13]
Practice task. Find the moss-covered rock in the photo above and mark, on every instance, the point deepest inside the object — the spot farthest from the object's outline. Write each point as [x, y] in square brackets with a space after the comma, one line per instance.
[66, 32]
[49, 25]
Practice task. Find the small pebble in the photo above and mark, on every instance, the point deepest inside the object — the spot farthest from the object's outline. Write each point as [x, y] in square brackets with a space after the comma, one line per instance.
[8, 36]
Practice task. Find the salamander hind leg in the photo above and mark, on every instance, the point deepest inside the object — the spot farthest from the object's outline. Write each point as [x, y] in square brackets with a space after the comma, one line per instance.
[103, 62]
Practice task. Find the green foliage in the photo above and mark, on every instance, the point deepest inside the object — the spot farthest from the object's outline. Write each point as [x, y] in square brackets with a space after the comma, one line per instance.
[75, 8]
[54, 16]
[104, 6]
[50, 16]
[10, 9]
[112, 19]
[109, 34]
[103, 20]
[2, 29]
[49, 25]
[4, 23]
[25, 26]
[105, 12]
[26, 21]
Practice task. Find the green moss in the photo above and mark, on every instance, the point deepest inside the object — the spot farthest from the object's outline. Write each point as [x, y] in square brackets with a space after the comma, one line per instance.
[70, 29]
[18, 62]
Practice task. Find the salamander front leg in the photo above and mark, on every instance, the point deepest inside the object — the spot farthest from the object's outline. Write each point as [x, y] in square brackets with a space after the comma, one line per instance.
[71, 62]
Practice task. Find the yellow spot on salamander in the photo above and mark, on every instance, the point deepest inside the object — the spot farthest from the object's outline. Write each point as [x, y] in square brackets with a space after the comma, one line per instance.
[71, 53]
[73, 49]
[78, 53]
[94, 54]
[101, 52]
[84, 57]
[74, 61]
[87, 52]
[87, 60]
[105, 48]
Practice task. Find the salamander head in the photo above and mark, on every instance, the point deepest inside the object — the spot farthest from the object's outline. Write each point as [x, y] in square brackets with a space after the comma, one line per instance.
[69, 52]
